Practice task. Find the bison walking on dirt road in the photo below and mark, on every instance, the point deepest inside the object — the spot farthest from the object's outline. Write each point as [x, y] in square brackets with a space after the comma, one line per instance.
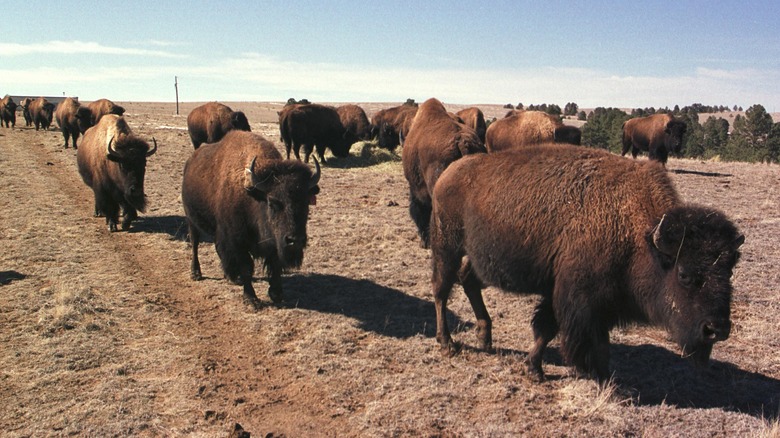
[112, 161]
[41, 113]
[210, 122]
[254, 203]
[604, 240]
[435, 141]
[8, 112]
[314, 126]
[25, 104]
[658, 134]
[73, 118]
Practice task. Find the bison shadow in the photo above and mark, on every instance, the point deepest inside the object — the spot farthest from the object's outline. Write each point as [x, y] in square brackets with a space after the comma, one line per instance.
[654, 375]
[174, 226]
[696, 172]
[6, 277]
[380, 309]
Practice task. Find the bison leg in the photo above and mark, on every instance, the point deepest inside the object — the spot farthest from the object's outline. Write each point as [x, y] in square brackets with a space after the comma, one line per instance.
[445, 272]
[238, 266]
[109, 208]
[320, 152]
[66, 134]
[545, 328]
[421, 215]
[128, 217]
[275, 281]
[473, 288]
[195, 273]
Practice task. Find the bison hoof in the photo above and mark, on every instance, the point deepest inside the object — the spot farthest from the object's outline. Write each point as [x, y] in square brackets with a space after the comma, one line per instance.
[253, 302]
[196, 275]
[276, 296]
[112, 227]
[450, 349]
[535, 373]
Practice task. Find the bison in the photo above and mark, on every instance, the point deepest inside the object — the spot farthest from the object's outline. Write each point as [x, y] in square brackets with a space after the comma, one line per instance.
[41, 112]
[8, 112]
[435, 141]
[355, 121]
[658, 134]
[112, 161]
[255, 204]
[523, 128]
[102, 107]
[392, 125]
[73, 119]
[210, 122]
[604, 241]
[25, 104]
[314, 126]
[476, 119]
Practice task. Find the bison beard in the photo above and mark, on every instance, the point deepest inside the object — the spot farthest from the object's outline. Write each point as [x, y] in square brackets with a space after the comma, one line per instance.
[610, 245]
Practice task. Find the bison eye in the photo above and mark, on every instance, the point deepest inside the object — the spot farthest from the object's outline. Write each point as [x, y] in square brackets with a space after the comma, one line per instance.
[684, 277]
[275, 205]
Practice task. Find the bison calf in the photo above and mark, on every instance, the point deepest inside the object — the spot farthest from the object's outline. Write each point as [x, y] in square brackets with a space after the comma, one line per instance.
[253, 202]
[210, 122]
[604, 241]
[112, 161]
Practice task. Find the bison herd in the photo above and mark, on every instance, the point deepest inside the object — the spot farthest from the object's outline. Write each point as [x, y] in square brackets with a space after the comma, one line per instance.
[603, 240]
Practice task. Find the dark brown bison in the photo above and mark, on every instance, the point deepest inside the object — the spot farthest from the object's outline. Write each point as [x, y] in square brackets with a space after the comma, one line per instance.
[210, 122]
[255, 204]
[25, 104]
[73, 119]
[568, 134]
[101, 107]
[41, 112]
[476, 119]
[355, 121]
[524, 128]
[435, 141]
[8, 112]
[605, 242]
[112, 161]
[314, 126]
[658, 134]
[392, 125]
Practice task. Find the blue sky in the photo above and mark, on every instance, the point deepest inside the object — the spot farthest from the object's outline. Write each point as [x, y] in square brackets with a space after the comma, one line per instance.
[594, 53]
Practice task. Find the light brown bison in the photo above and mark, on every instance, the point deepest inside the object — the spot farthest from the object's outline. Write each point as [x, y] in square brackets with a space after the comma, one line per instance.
[658, 134]
[314, 126]
[476, 119]
[41, 112]
[73, 119]
[355, 121]
[210, 122]
[524, 128]
[25, 104]
[435, 140]
[253, 202]
[605, 241]
[392, 125]
[112, 161]
[102, 107]
[8, 112]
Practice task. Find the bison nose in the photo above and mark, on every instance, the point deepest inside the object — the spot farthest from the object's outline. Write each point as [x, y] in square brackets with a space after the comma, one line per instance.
[716, 330]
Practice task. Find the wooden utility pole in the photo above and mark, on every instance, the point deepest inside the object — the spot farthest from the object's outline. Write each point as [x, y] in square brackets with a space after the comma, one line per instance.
[176, 86]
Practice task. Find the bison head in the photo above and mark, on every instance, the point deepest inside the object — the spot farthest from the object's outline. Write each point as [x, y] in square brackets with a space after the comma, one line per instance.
[674, 133]
[284, 189]
[84, 119]
[388, 137]
[697, 248]
[239, 121]
[129, 153]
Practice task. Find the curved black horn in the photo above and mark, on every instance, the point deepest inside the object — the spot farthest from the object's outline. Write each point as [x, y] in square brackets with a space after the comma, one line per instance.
[111, 152]
[153, 150]
[315, 179]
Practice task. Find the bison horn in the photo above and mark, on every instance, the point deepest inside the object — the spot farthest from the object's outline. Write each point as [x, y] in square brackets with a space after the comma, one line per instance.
[153, 150]
[111, 152]
[315, 179]
[658, 238]
[252, 181]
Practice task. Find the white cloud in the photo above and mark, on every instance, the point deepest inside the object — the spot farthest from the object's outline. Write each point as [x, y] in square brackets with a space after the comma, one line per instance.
[77, 47]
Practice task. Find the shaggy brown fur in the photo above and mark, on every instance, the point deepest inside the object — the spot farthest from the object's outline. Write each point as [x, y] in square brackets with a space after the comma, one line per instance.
[210, 122]
[314, 126]
[41, 112]
[25, 104]
[658, 134]
[435, 140]
[474, 118]
[8, 112]
[101, 107]
[604, 240]
[73, 119]
[262, 215]
[392, 125]
[355, 121]
[523, 128]
[112, 161]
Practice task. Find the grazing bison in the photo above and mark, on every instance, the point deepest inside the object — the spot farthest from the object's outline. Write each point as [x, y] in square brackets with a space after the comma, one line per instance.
[473, 117]
[73, 119]
[210, 122]
[314, 126]
[253, 202]
[610, 244]
[101, 107]
[355, 121]
[25, 104]
[435, 141]
[658, 134]
[524, 128]
[112, 161]
[8, 112]
[392, 125]
[41, 112]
